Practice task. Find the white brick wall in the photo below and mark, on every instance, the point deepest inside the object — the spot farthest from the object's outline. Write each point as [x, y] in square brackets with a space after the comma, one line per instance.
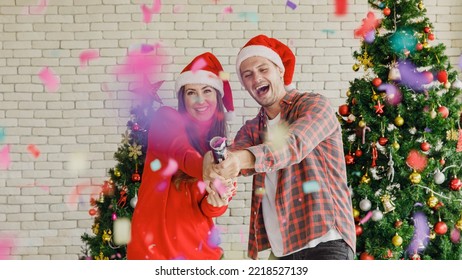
[90, 110]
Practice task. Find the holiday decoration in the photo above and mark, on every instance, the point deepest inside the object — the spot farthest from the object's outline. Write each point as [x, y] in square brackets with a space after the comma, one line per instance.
[407, 110]
[111, 207]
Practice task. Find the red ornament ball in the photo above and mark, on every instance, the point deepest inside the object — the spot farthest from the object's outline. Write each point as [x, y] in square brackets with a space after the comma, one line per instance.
[440, 228]
[444, 112]
[431, 36]
[425, 146]
[377, 82]
[383, 141]
[442, 76]
[419, 46]
[386, 11]
[136, 127]
[359, 230]
[365, 256]
[398, 223]
[344, 110]
[442, 161]
[455, 184]
[427, 29]
[92, 212]
[349, 159]
[358, 153]
[136, 177]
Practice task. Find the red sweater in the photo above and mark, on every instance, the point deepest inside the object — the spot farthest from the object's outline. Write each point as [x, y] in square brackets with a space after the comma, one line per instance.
[167, 223]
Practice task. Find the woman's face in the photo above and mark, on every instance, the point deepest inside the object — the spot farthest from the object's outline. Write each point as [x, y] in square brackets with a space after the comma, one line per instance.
[200, 101]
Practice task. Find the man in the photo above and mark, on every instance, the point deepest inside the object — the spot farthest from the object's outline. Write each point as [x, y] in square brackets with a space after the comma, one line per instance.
[301, 205]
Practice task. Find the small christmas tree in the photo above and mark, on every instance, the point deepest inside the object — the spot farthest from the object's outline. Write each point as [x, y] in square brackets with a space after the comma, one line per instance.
[400, 128]
[118, 196]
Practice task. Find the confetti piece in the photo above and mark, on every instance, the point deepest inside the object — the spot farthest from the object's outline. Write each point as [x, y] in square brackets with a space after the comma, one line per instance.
[201, 185]
[366, 218]
[40, 8]
[2, 134]
[50, 81]
[198, 65]
[121, 230]
[368, 24]
[411, 77]
[33, 150]
[155, 165]
[147, 12]
[178, 8]
[219, 187]
[328, 31]
[260, 191]
[138, 65]
[146, 48]
[291, 5]
[171, 168]
[277, 135]
[162, 186]
[224, 76]
[86, 56]
[393, 94]
[214, 239]
[5, 157]
[249, 16]
[421, 235]
[369, 37]
[6, 245]
[310, 187]
[340, 7]
[228, 10]
[460, 62]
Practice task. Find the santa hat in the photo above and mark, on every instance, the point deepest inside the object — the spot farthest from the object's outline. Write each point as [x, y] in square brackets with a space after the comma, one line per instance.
[272, 49]
[205, 69]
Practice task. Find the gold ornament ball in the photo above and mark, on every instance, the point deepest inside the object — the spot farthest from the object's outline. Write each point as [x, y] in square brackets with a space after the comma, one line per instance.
[397, 240]
[117, 173]
[375, 97]
[355, 213]
[433, 114]
[395, 146]
[432, 201]
[458, 224]
[348, 93]
[355, 67]
[362, 124]
[399, 121]
[447, 85]
[432, 234]
[415, 177]
[421, 6]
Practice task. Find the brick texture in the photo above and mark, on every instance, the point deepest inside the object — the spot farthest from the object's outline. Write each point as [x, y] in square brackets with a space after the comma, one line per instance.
[83, 119]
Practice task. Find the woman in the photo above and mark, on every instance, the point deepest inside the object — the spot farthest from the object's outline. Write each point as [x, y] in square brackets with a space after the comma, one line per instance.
[173, 216]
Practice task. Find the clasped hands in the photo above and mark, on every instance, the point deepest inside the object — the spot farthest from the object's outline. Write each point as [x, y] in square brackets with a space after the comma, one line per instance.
[220, 178]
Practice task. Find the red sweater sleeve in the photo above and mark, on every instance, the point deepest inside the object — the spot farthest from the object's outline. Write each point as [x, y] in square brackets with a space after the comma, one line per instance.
[168, 140]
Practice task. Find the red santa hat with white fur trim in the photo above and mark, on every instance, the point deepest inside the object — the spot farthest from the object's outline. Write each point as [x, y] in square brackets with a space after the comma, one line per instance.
[272, 49]
[205, 69]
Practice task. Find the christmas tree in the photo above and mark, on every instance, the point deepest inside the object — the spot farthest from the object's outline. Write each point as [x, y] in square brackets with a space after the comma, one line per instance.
[402, 137]
[114, 208]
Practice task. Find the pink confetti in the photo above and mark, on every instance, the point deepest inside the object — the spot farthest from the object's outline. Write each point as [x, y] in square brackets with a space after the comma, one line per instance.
[5, 157]
[162, 186]
[366, 218]
[147, 12]
[198, 65]
[201, 185]
[39, 8]
[178, 8]
[50, 81]
[140, 64]
[86, 56]
[340, 7]
[214, 239]
[369, 23]
[85, 188]
[33, 150]
[291, 5]
[228, 10]
[172, 167]
[6, 245]
[219, 187]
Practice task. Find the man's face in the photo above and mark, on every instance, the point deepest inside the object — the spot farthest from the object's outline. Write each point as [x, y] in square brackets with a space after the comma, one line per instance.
[263, 80]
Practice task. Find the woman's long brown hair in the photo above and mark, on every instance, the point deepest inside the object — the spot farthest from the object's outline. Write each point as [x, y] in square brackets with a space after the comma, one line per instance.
[218, 128]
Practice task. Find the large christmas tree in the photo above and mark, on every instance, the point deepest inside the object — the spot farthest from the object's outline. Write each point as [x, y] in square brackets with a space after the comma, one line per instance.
[403, 139]
[113, 210]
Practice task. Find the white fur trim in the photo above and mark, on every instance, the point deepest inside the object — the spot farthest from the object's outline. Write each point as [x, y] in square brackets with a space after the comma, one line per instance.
[257, 50]
[199, 77]
[229, 116]
[289, 87]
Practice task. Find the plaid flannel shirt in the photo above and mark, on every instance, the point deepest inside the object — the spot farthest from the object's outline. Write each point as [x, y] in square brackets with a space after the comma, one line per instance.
[313, 151]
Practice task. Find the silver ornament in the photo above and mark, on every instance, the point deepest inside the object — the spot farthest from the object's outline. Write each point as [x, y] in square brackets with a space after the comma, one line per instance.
[365, 204]
[377, 215]
[134, 201]
[439, 177]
